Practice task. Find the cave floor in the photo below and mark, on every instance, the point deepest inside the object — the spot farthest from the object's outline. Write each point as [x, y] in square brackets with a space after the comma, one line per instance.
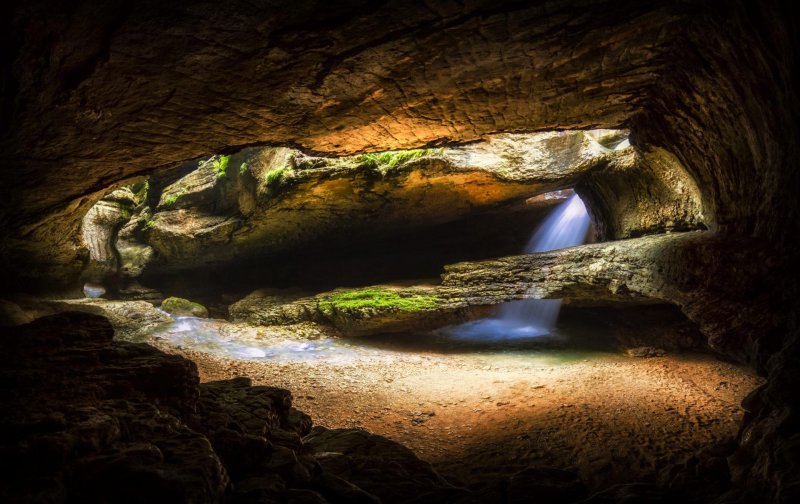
[480, 416]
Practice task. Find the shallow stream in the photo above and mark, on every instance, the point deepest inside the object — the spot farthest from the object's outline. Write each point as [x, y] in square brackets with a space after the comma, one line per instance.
[245, 342]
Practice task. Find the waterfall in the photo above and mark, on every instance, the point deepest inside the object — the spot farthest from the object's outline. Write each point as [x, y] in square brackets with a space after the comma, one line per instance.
[566, 226]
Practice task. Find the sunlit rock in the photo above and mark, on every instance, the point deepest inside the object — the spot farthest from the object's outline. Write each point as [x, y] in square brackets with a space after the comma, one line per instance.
[183, 308]
[261, 202]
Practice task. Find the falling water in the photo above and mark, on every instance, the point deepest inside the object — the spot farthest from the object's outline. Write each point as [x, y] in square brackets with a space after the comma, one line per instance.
[566, 226]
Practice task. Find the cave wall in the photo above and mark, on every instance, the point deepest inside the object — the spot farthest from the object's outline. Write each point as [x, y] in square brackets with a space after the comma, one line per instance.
[117, 90]
[651, 194]
[95, 94]
[727, 108]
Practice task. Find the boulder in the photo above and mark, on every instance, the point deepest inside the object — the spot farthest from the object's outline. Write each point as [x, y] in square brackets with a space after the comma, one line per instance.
[384, 468]
[184, 308]
[131, 320]
[124, 422]
[107, 426]
[359, 311]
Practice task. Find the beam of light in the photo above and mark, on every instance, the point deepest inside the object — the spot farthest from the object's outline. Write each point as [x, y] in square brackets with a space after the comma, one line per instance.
[566, 226]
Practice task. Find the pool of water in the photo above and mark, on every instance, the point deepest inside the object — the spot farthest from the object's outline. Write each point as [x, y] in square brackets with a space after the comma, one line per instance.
[241, 341]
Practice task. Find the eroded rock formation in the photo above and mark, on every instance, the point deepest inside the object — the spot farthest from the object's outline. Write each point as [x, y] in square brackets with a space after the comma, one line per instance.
[346, 80]
[637, 271]
[266, 205]
[93, 95]
[121, 421]
[262, 202]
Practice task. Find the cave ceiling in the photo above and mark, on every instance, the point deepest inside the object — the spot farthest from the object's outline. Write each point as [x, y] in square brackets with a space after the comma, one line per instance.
[114, 91]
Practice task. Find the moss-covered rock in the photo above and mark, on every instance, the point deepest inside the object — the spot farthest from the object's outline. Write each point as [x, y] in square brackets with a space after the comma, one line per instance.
[602, 274]
[184, 308]
[283, 200]
[377, 298]
[358, 312]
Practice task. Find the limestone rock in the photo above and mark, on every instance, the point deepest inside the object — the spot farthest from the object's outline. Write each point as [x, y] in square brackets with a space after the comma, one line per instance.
[111, 424]
[131, 320]
[100, 227]
[638, 271]
[358, 312]
[274, 201]
[623, 271]
[184, 308]
[353, 82]
[134, 255]
[650, 193]
[645, 351]
[614, 273]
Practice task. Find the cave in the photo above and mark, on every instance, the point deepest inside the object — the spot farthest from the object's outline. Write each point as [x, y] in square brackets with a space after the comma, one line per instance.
[399, 252]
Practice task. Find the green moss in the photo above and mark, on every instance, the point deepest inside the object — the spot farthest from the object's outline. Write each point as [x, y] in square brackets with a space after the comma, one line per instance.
[379, 299]
[386, 161]
[221, 166]
[149, 224]
[171, 199]
[183, 307]
[275, 177]
[243, 168]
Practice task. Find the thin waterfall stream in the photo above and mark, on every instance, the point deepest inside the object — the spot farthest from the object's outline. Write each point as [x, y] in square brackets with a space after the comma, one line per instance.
[566, 226]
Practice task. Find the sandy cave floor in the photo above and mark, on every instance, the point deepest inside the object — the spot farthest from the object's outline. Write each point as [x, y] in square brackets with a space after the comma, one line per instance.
[483, 415]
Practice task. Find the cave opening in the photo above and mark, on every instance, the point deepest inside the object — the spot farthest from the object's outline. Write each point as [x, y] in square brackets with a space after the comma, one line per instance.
[328, 276]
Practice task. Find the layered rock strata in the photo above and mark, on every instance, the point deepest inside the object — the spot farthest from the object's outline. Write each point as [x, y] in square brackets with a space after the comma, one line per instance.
[258, 203]
[626, 272]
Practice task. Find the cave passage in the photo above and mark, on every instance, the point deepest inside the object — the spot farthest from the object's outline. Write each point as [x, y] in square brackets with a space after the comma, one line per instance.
[487, 398]
[481, 410]
[478, 304]
[221, 217]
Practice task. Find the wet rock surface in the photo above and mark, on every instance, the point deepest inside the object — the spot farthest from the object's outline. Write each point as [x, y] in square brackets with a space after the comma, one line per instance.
[261, 202]
[358, 312]
[184, 308]
[131, 320]
[620, 273]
